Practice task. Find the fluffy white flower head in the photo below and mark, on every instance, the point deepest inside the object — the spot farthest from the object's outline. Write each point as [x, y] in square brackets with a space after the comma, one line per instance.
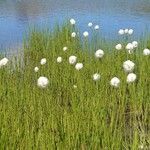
[126, 31]
[99, 53]
[129, 46]
[85, 34]
[146, 52]
[96, 27]
[118, 47]
[115, 82]
[74, 86]
[141, 146]
[36, 69]
[79, 66]
[72, 60]
[128, 66]
[3, 62]
[65, 48]
[73, 34]
[43, 61]
[130, 31]
[42, 82]
[131, 77]
[72, 21]
[135, 44]
[59, 59]
[90, 24]
[121, 32]
[96, 77]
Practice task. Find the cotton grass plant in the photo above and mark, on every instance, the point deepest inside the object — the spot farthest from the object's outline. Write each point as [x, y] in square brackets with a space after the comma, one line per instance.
[59, 107]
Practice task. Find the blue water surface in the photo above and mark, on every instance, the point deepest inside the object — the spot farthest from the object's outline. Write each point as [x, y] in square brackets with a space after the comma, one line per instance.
[17, 16]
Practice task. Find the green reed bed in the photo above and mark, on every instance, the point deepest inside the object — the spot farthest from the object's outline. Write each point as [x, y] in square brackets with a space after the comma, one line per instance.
[73, 111]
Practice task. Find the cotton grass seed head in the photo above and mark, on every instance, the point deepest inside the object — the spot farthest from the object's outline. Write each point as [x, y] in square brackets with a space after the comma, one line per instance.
[73, 34]
[72, 21]
[3, 62]
[59, 59]
[128, 66]
[99, 53]
[115, 82]
[96, 77]
[85, 34]
[126, 31]
[65, 48]
[121, 32]
[90, 24]
[36, 69]
[129, 46]
[72, 60]
[42, 82]
[118, 47]
[43, 61]
[135, 44]
[130, 31]
[79, 66]
[131, 78]
[141, 146]
[75, 86]
[146, 52]
[96, 27]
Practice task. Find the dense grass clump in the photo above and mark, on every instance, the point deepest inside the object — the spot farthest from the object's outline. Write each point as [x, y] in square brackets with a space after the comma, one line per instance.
[94, 115]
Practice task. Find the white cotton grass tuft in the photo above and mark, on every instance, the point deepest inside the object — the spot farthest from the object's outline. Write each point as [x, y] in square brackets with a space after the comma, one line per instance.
[72, 60]
[59, 59]
[99, 53]
[96, 27]
[130, 31]
[130, 48]
[36, 69]
[96, 77]
[43, 61]
[135, 44]
[115, 82]
[141, 146]
[65, 48]
[131, 77]
[72, 21]
[75, 86]
[79, 66]
[118, 47]
[126, 31]
[121, 32]
[90, 24]
[128, 66]
[85, 34]
[3, 62]
[73, 34]
[42, 82]
[146, 52]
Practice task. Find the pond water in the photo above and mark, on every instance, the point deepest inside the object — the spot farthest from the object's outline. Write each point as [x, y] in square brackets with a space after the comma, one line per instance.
[16, 16]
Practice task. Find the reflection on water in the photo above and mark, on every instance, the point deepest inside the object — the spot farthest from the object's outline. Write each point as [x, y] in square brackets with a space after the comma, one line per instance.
[18, 15]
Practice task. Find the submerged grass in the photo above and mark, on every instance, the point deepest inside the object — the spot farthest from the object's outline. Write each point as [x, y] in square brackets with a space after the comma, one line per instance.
[92, 116]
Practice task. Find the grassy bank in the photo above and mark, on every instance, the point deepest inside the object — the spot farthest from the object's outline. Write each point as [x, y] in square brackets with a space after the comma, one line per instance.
[94, 115]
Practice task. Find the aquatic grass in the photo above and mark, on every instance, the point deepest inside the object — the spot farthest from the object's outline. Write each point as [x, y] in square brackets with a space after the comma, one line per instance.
[94, 115]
